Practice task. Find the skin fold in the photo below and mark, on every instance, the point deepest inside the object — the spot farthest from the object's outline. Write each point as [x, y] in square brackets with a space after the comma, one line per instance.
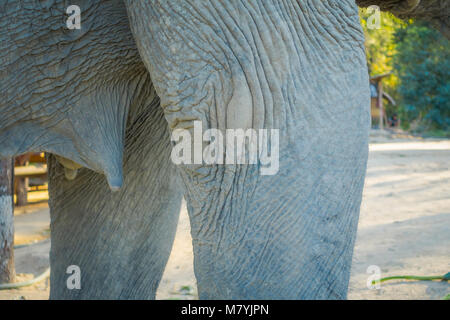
[120, 240]
[102, 101]
[73, 87]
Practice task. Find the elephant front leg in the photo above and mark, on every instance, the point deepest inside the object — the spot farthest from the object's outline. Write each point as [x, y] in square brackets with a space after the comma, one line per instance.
[293, 66]
[119, 242]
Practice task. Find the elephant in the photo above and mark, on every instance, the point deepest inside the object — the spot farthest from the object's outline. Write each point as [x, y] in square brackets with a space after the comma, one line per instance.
[103, 101]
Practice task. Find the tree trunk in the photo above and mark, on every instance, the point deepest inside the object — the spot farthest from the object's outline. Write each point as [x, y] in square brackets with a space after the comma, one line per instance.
[380, 103]
[7, 273]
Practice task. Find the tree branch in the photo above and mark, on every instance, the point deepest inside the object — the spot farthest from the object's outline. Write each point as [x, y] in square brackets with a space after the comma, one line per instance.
[437, 12]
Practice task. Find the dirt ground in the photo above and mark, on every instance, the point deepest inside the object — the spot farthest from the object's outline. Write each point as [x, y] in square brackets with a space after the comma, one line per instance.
[404, 228]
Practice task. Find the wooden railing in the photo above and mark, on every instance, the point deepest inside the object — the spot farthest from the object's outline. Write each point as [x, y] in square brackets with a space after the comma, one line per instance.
[23, 171]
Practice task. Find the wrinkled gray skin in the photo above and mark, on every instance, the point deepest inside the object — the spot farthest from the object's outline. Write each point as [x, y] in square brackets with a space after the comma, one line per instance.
[107, 96]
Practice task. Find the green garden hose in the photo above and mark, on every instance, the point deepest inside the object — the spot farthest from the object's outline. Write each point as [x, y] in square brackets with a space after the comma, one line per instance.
[445, 277]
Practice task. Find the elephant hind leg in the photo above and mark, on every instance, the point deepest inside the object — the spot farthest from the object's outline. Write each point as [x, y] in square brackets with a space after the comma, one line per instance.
[120, 240]
[293, 66]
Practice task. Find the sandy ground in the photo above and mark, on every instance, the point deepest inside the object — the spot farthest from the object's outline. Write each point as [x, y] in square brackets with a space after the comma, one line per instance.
[32, 223]
[404, 228]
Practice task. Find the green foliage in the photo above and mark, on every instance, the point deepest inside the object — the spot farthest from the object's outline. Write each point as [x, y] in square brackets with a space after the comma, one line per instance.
[380, 51]
[380, 47]
[437, 133]
[419, 58]
[422, 63]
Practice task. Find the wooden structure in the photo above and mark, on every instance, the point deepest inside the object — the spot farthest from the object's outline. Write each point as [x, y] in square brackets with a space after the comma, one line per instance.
[377, 95]
[23, 171]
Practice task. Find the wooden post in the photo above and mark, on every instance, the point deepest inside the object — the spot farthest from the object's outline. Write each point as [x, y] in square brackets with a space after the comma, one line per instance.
[380, 102]
[22, 191]
[7, 271]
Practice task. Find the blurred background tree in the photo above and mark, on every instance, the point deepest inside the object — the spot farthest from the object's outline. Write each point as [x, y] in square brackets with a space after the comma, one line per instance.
[380, 46]
[419, 58]
[422, 64]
